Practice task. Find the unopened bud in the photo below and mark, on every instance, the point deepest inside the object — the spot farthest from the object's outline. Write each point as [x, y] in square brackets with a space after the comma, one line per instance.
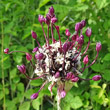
[41, 18]
[65, 47]
[6, 50]
[51, 11]
[34, 96]
[22, 68]
[39, 56]
[35, 49]
[88, 32]
[28, 56]
[83, 22]
[98, 46]
[86, 59]
[53, 20]
[77, 26]
[34, 35]
[67, 32]
[96, 78]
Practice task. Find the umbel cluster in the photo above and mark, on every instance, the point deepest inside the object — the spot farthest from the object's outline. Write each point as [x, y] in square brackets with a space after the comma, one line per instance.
[59, 62]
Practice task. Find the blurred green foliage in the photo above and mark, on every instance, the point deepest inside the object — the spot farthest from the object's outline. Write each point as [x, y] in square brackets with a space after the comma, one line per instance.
[18, 18]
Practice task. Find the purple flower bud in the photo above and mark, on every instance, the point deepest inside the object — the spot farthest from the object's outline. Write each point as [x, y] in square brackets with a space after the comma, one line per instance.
[54, 20]
[63, 94]
[75, 79]
[28, 56]
[34, 96]
[80, 40]
[34, 35]
[22, 68]
[86, 59]
[65, 47]
[96, 78]
[88, 32]
[57, 28]
[39, 56]
[77, 26]
[83, 22]
[35, 49]
[57, 75]
[48, 16]
[41, 18]
[69, 75]
[98, 46]
[74, 37]
[6, 50]
[51, 11]
[67, 32]
[47, 21]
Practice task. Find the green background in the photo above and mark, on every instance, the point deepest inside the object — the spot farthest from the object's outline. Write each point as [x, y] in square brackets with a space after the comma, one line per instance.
[18, 18]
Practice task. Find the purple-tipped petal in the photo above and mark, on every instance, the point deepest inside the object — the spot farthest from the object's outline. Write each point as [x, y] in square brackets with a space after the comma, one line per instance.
[6, 50]
[96, 77]
[63, 94]
[57, 75]
[34, 96]
[75, 79]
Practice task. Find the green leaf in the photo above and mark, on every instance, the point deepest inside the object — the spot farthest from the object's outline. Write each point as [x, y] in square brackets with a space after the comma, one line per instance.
[37, 82]
[1, 95]
[20, 87]
[106, 74]
[28, 93]
[43, 2]
[13, 73]
[102, 3]
[25, 106]
[107, 57]
[36, 103]
[76, 102]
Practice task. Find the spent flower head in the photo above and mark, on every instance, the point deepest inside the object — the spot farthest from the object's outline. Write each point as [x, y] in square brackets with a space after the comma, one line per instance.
[59, 62]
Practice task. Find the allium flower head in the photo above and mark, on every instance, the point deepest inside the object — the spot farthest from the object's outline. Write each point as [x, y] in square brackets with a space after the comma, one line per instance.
[59, 62]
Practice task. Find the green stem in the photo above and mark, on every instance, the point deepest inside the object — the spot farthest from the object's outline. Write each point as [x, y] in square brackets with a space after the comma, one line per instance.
[3, 82]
